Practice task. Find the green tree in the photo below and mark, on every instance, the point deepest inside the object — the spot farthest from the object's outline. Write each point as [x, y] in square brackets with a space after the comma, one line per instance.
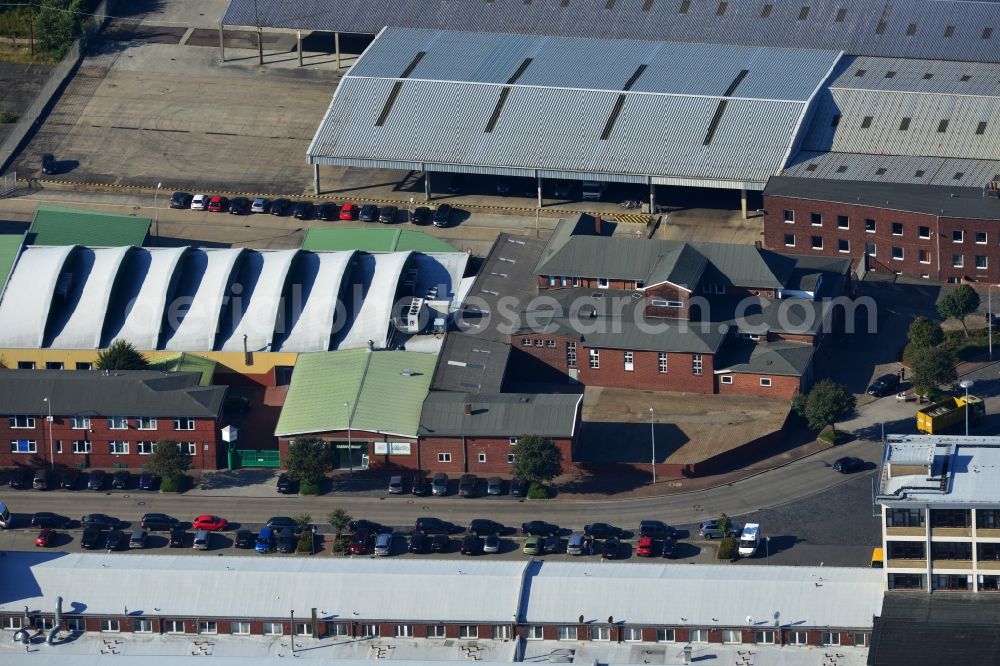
[169, 461]
[925, 333]
[338, 519]
[959, 304]
[56, 25]
[121, 355]
[303, 520]
[827, 403]
[537, 459]
[931, 368]
[307, 460]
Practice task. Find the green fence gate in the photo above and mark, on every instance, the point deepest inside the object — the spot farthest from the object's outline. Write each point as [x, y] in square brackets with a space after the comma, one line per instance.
[255, 458]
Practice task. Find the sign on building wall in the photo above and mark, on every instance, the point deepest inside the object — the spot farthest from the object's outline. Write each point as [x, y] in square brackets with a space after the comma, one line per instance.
[392, 448]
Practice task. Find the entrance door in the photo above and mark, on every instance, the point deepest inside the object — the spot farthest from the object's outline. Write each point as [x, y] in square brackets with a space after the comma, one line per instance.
[350, 456]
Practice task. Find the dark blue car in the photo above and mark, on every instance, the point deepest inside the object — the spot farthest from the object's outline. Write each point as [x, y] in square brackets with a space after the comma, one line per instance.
[147, 481]
[265, 540]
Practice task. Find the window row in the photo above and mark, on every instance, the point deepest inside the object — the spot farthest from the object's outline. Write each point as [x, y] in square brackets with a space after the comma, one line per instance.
[114, 422]
[53, 365]
[528, 342]
[481, 457]
[83, 447]
[896, 228]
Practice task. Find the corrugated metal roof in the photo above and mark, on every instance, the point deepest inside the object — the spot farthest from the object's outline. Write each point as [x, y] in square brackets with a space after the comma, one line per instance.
[500, 415]
[893, 169]
[375, 278]
[27, 299]
[471, 364]
[322, 277]
[350, 388]
[136, 310]
[574, 118]
[944, 29]
[678, 594]
[323, 239]
[924, 76]
[203, 285]
[55, 225]
[256, 308]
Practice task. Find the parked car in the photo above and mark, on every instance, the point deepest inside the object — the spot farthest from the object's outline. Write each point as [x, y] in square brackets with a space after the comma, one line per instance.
[137, 540]
[578, 544]
[100, 521]
[41, 478]
[517, 487]
[265, 540]
[348, 212]
[20, 478]
[440, 543]
[120, 479]
[244, 539]
[484, 526]
[158, 522]
[562, 189]
[209, 523]
[147, 481]
[279, 207]
[45, 538]
[419, 542]
[95, 480]
[611, 549]
[199, 202]
[433, 526]
[286, 540]
[395, 485]
[91, 538]
[669, 548]
[217, 204]
[539, 528]
[366, 525]
[177, 538]
[239, 206]
[467, 485]
[368, 213]
[116, 540]
[848, 464]
[532, 545]
[70, 479]
[645, 547]
[442, 216]
[456, 184]
[709, 529]
[383, 544]
[420, 215]
[750, 540]
[471, 545]
[494, 485]
[328, 212]
[884, 385]
[180, 200]
[654, 528]
[419, 487]
[359, 543]
[277, 522]
[303, 210]
[439, 484]
[286, 485]
[491, 544]
[602, 531]
[387, 214]
[49, 165]
[49, 520]
[260, 205]
[552, 544]
[202, 540]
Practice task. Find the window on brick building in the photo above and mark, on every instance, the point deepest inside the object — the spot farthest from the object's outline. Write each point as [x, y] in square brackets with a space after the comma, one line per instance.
[816, 219]
[765, 381]
[798, 638]
[843, 222]
[551, 344]
[632, 634]
[444, 457]
[145, 423]
[208, 627]
[860, 639]
[370, 630]
[118, 448]
[957, 236]
[242, 628]
[110, 625]
[513, 441]
[981, 238]
[526, 342]
[482, 457]
[81, 446]
[870, 225]
[533, 632]
[843, 245]
[602, 283]
[23, 446]
[21, 421]
[698, 635]
[403, 630]
[571, 354]
[539, 343]
[726, 379]
[661, 362]
[817, 242]
[765, 637]
[924, 256]
[870, 249]
[183, 423]
[595, 358]
[79, 422]
[732, 636]
[790, 216]
[600, 633]
[117, 423]
[830, 638]
[897, 253]
[897, 228]
[696, 365]
[665, 636]
[278, 629]
[564, 633]
[510, 458]
[501, 632]
[789, 240]
[923, 232]
[957, 260]
[434, 631]
[629, 366]
[145, 448]
[468, 631]
[981, 262]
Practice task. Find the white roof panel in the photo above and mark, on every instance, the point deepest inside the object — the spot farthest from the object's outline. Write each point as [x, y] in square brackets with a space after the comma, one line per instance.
[309, 316]
[262, 278]
[27, 299]
[142, 287]
[199, 297]
[79, 322]
[374, 281]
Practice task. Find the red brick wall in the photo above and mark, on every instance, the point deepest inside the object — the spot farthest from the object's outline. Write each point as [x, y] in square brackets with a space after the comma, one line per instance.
[496, 450]
[583, 283]
[671, 293]
[205, 433]
[645, 373]
[749, 384]
[376, 461]
[554, 357]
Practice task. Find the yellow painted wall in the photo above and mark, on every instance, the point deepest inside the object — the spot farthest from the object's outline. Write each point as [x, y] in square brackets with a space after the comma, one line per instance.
[228, 361]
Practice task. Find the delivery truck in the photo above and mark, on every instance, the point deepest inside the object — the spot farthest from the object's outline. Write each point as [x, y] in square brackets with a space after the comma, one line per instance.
[941, 415]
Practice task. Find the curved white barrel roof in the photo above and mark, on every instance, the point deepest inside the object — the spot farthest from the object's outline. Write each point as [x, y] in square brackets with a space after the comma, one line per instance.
[28, 297]
[143, 286]
[376, 277]
[442, 271]
[317, 278]
[193, 314]
[78, 325]
[262, 278]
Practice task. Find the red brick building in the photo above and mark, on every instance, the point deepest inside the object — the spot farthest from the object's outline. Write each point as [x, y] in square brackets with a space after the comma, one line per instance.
[106, 420]
[947, 234]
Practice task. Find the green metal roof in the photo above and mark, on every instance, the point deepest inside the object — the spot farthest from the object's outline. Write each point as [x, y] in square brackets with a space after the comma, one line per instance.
[185, 362]
[380, 391]
[378, 239]
[54, 225]
[10, 247]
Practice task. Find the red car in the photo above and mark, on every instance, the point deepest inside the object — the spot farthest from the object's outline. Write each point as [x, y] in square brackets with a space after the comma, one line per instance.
[359, 543]
[348, 211]
[645, 546]
[45, 538]
[210, 523]
[218, 204]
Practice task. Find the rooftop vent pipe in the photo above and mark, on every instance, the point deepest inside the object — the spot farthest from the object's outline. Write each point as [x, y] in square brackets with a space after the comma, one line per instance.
[51, 639]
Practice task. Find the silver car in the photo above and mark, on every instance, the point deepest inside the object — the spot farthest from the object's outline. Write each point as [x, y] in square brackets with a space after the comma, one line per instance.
[439, 484]
[259, 205]
[494, 485]
[383, 544]
[137, 540]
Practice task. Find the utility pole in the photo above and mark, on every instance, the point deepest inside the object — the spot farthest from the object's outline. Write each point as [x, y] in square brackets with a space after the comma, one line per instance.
[652, 435]
[260, 43]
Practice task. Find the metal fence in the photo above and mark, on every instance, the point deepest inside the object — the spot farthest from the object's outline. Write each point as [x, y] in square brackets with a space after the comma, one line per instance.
[256, 458]
[8, 183]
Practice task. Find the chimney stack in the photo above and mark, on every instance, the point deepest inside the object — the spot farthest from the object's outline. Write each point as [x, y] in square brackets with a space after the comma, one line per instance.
[468, 409]
[597, 225]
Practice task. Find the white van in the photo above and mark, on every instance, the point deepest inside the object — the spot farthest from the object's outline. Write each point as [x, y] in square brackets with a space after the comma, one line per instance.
[592, 190]
[749, 540]
[5, 520]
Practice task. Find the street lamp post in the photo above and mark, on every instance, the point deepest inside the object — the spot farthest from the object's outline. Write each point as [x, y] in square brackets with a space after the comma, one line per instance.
[767, 550]
[350, 446]
[966, 384]
[652, 435]
[156, 214]
[260, 44]
[52, 459]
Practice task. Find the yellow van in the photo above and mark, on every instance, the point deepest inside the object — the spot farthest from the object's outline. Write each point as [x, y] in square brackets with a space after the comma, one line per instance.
[878, 558]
